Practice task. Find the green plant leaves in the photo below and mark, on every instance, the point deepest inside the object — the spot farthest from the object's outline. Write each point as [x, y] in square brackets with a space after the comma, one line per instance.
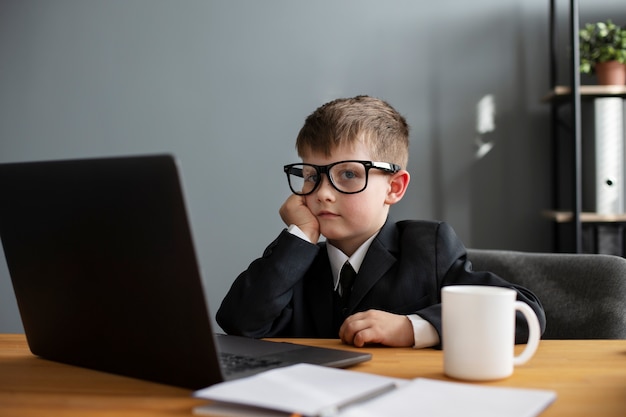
[601, 42]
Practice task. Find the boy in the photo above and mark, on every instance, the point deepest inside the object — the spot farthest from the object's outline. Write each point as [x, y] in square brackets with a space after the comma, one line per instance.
[354, 154]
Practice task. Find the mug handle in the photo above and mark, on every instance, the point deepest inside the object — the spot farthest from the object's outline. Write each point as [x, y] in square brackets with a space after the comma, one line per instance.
[533, 333]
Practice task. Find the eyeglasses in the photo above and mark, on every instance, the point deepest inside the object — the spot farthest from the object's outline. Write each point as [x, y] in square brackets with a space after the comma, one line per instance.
[348, 177]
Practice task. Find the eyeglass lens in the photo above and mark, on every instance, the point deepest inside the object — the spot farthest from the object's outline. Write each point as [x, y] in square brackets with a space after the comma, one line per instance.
[347, 177]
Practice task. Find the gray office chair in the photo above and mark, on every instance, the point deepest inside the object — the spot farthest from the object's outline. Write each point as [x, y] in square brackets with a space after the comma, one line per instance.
[584, 296]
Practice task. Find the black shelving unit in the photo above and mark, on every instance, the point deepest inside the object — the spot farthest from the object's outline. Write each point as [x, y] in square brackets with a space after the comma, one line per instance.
[574, 122]
[573, 220]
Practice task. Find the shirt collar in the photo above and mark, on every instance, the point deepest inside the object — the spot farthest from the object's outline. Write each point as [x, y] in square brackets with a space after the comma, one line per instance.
[338, 258]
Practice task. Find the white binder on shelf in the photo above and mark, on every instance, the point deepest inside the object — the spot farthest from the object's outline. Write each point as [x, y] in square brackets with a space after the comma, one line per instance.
[603, 156]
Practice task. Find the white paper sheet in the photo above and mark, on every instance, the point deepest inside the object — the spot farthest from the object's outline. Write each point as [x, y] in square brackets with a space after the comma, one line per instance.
[432, 398]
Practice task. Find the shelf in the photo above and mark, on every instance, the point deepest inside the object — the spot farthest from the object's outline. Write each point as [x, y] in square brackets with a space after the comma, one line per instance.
[567, 126]
[589, 92]
[585, 217]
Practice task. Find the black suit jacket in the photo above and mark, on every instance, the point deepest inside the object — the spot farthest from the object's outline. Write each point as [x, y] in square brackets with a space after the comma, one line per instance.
[288, 292]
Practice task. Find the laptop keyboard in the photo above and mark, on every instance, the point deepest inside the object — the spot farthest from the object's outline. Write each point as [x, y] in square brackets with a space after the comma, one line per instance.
[233, 363]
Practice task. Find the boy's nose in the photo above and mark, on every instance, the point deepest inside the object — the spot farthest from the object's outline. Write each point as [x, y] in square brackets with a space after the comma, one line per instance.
[325, 189]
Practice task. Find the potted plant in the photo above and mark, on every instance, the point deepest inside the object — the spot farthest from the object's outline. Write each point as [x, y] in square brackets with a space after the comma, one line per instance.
[602, 49]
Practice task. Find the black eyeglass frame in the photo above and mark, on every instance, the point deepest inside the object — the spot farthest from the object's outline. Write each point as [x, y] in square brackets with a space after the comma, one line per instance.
[324, 169]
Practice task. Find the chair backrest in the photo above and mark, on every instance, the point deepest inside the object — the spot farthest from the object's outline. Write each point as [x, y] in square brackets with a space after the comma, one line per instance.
[583, 295]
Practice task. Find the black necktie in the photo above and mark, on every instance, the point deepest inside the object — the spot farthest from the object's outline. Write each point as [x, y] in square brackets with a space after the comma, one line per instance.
[346, 280]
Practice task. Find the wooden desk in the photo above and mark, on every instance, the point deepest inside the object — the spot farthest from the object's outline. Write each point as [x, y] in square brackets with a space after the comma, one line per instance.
[588, 376]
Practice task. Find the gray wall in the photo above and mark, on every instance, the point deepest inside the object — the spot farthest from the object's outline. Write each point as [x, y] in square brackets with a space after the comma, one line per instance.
[225, 86]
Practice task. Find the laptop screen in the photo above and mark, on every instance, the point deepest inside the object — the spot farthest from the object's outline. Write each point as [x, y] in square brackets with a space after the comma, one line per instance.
[103, 267]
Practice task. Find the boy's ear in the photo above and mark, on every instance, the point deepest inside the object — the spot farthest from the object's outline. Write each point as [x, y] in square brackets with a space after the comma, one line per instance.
[398, 185]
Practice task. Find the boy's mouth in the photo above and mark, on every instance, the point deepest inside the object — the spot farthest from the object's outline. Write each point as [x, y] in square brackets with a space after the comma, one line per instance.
[327, 215]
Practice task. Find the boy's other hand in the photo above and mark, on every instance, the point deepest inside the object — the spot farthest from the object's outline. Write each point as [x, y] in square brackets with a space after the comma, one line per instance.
[376, 326]
[295, 211]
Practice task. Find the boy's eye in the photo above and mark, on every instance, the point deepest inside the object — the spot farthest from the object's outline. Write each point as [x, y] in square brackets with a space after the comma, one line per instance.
[348, 175]
[309, 176]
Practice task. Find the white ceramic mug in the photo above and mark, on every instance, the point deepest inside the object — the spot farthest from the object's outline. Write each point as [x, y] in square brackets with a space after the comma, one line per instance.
[479, 332]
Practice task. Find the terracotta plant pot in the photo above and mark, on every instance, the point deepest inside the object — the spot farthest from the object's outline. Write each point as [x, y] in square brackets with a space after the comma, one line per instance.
[611, 73]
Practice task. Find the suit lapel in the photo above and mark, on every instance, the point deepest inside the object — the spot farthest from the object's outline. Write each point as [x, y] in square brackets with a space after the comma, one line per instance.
[379, 259]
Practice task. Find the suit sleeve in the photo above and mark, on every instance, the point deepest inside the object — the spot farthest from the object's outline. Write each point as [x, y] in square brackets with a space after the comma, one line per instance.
[453, 268]
[258, 303]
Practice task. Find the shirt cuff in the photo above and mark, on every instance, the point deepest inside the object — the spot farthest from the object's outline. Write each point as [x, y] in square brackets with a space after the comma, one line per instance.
[295, 230]
[424, 333]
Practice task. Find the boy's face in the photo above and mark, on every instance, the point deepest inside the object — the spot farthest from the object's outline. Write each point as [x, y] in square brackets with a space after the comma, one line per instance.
[348, 220]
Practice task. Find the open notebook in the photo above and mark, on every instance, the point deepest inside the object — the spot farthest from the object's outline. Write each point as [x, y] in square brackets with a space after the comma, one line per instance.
[105, 274]
[310, 390]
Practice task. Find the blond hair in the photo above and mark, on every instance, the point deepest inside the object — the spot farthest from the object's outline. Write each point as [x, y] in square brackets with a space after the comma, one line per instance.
[345, 121]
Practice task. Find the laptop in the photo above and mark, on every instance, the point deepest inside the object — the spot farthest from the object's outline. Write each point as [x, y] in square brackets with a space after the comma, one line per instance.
[106, 277]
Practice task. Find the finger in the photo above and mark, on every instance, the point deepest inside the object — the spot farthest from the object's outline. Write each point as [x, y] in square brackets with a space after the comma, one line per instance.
[351, 326]
[364, 336]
